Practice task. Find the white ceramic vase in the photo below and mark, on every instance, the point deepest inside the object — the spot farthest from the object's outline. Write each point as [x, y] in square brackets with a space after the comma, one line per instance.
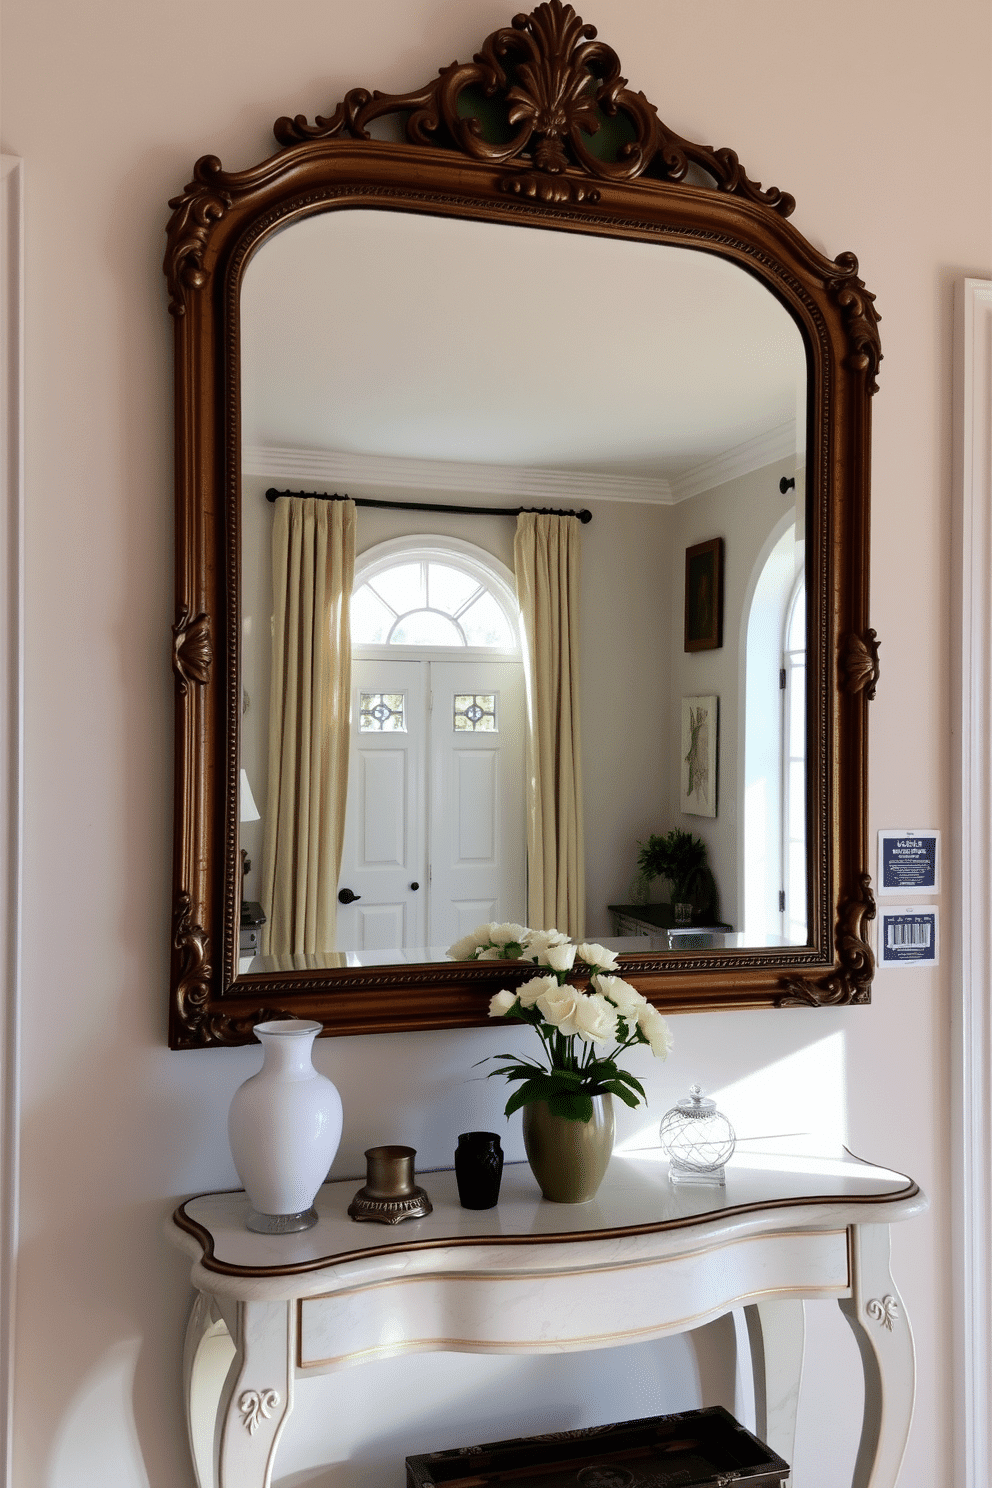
[284, 1127]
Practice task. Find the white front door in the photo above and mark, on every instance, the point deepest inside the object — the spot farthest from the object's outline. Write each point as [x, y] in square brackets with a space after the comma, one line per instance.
[384, 861]
[477, 830]
[435, 829]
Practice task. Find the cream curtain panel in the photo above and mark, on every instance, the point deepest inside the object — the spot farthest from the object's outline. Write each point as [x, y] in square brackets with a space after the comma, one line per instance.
[546, 554]
[313, 566]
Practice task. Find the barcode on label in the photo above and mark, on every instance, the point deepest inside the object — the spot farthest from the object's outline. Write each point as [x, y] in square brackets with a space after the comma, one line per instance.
[912, 934]
[909, 937]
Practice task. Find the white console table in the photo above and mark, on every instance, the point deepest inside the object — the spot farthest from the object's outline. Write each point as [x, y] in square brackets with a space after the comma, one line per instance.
[642, 1260]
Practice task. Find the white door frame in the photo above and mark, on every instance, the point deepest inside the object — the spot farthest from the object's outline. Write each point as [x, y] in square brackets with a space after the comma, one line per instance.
[971, 1127]
[11, 711]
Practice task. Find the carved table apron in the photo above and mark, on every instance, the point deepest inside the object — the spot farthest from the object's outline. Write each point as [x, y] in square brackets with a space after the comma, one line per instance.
[640, 1261]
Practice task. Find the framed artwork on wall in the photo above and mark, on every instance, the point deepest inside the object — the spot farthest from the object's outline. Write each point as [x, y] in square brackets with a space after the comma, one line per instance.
[704, 596]
[697, 764]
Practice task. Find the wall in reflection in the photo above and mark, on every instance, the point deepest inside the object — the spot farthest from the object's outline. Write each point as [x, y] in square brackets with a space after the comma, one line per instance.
[747, 512]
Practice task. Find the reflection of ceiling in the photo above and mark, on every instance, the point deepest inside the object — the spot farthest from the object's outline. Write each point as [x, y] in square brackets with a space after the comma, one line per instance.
[418, 338]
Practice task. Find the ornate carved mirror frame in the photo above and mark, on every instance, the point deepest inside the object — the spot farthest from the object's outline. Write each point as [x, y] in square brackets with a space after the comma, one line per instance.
[558, 91]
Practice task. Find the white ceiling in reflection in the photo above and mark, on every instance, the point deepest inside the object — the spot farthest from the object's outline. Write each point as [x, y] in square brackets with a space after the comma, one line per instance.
[386, 334]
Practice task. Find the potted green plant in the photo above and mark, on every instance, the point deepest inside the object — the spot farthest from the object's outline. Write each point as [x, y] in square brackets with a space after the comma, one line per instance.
[681, 858]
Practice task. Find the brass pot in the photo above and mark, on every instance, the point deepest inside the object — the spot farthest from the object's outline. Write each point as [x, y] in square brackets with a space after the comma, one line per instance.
[390, 1195]
[569, 1158]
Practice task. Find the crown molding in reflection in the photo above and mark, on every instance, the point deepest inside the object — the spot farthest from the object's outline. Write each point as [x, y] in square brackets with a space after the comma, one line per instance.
[388, 472]
[764, 449]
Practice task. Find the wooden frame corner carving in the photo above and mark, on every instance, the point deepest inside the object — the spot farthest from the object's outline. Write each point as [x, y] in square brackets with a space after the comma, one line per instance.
[192, 650]
[852, 982]
[556, 86]
[858, 665]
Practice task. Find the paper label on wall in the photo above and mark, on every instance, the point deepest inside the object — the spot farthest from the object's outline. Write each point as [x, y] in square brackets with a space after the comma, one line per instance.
[909, 937]
[908, 861]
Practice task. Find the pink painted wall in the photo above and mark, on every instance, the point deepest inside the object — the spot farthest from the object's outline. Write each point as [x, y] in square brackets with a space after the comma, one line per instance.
[877, 118]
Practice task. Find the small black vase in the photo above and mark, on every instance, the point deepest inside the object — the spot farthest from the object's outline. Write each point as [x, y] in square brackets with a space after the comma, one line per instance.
[478, 1169]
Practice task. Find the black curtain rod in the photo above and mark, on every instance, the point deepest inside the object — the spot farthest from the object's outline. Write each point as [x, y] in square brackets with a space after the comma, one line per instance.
[471, 511]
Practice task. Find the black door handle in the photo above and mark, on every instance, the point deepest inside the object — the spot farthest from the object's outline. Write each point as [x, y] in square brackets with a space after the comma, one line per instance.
[345, 896]
[415, 886]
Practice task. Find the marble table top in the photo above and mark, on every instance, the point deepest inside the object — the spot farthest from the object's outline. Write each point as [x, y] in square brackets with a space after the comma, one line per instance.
[777, 1184]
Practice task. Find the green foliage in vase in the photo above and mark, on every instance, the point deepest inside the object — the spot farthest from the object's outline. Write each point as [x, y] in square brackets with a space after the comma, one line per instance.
[568, 1020]
[681, 858]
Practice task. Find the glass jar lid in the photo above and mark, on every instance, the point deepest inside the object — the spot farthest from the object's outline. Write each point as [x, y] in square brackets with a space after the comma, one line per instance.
[696, 1104]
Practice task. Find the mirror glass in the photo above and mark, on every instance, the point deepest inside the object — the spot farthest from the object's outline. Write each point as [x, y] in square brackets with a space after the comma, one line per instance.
[411, 358]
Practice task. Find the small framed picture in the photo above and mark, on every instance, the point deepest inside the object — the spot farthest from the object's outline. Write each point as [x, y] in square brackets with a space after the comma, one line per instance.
[697, 766]
[704, 596]
[909, 936]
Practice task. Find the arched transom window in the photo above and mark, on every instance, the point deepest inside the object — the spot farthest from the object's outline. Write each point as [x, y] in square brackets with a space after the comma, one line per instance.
[432, 592]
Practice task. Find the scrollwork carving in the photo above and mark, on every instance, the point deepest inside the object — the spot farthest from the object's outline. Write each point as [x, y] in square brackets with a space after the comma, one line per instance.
[256, 1404]
[193, 983]
[857, 663]
[834, 991]
[883, 1310]
[552, 189]
[192, 649]
[851, 983]
[196, 1023]
[853, 950]
[858, 307]
[676, 155]
[202, 203]
[555, 86]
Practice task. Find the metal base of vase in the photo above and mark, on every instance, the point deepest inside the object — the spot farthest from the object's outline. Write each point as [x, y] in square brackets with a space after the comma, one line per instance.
[280, 1224]
[390, 1211]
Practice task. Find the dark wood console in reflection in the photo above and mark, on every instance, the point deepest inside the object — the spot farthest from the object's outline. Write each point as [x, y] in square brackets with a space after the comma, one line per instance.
[648, 919]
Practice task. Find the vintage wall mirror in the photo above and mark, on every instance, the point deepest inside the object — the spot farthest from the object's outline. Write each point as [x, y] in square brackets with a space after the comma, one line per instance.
[517, 288]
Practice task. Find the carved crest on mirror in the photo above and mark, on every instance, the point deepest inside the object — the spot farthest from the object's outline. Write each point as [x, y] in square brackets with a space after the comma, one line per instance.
[539, 130]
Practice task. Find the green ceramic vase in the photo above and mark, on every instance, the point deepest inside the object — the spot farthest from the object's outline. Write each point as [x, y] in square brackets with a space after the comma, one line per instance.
[569, 1158]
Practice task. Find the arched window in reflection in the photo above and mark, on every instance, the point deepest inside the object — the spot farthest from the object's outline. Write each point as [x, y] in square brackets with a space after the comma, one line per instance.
[794, 766]
[775, 902]
[433, 592]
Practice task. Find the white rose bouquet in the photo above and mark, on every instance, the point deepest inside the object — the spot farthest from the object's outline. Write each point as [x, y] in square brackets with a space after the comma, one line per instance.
[491, 943]
[570, 1022]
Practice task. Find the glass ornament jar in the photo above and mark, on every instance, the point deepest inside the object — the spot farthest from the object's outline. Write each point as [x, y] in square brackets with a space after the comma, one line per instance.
[697, 1139]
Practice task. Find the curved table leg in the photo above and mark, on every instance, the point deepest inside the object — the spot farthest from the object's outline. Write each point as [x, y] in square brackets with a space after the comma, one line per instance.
[207, 1355]
[257, 1395]
[880, 1324]
[776, 1332]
